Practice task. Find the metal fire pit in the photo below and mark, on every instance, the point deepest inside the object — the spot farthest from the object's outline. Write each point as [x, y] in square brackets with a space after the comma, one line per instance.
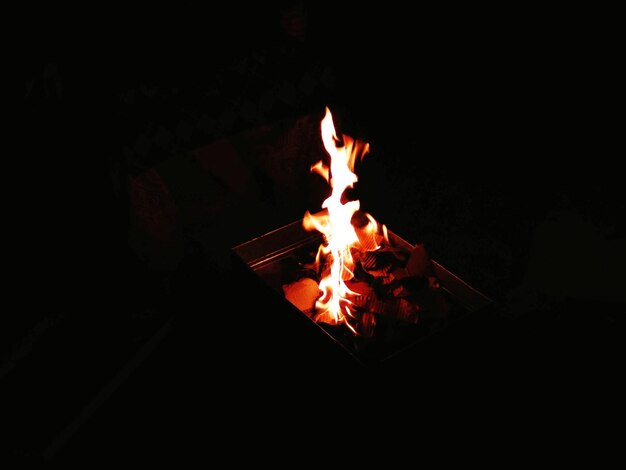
[264, 258]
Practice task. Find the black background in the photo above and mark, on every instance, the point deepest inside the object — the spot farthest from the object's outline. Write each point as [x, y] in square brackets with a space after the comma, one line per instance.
[494, 142]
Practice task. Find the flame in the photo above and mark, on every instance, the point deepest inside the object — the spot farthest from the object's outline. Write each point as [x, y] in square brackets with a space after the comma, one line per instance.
[337, 225]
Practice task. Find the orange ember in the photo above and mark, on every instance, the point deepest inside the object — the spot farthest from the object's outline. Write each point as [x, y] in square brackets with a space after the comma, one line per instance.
[337, 224]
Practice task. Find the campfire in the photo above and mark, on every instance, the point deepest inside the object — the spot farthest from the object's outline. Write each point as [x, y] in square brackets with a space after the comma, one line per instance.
[356, 272]
[368, 288]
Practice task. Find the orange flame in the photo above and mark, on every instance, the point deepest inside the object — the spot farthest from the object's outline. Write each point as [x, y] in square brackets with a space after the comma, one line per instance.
[333, 306]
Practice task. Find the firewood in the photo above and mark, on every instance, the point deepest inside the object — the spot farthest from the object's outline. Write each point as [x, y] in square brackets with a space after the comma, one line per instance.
[302, 293]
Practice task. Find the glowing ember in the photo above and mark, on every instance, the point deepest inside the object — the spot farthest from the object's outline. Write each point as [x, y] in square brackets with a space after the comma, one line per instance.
[337, 224]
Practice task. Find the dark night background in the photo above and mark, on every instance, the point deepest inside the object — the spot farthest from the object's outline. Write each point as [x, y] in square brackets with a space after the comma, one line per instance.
[494, 142]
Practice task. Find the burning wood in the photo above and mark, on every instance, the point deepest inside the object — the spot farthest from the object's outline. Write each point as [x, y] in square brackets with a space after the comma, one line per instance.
[391, 281]
[358, 272]
[302, 293]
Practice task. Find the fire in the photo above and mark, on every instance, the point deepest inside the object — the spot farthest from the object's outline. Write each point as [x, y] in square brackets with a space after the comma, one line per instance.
[337, 223]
